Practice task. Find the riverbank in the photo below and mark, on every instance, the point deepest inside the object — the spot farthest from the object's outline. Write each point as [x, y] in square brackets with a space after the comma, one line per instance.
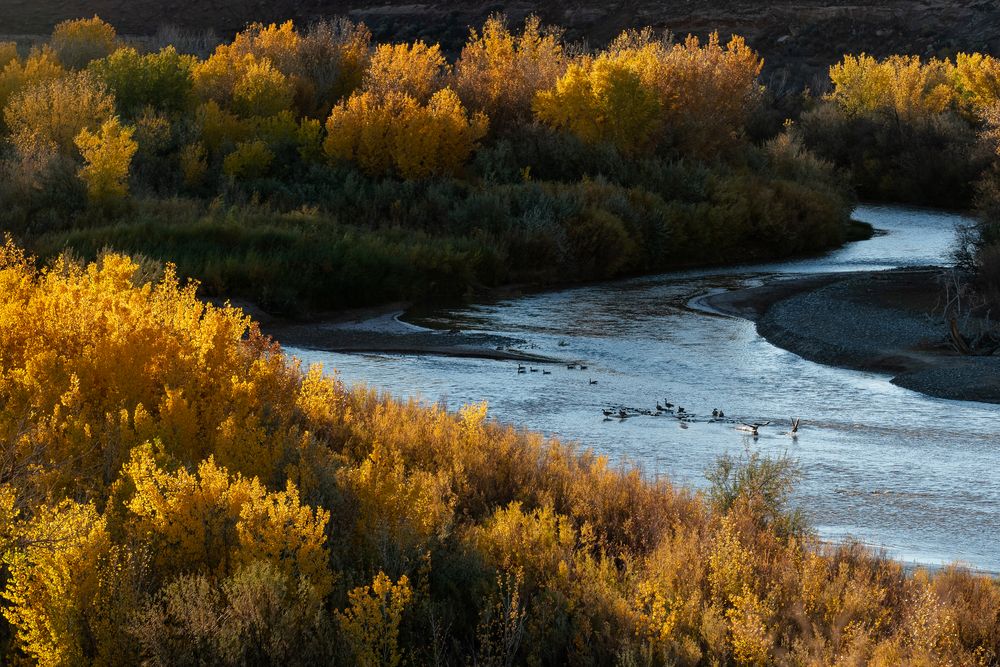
[887, 322]
[380, 330]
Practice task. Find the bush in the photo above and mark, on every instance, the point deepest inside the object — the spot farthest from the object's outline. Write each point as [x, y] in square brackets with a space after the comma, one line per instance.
[148, 549]
[251, 159]
[80, 41]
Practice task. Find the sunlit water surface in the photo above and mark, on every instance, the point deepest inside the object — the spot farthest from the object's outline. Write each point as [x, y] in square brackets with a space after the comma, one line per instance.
[885, 465]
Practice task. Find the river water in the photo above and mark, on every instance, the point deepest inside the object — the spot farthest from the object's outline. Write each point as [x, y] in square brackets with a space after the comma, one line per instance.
[893, 468]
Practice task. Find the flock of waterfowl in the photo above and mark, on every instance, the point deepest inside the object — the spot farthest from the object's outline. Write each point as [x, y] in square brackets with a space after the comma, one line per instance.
[668, 409]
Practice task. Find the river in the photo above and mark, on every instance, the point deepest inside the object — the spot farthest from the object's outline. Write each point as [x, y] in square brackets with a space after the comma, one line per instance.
[895, 469]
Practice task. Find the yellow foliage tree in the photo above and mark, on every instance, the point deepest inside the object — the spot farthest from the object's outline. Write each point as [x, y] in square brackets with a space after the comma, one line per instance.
[261, 90]
[251, 75]
[900, 85]
[397, 133]
[414, 69]
[55, 111]
[40, 66]
[79, 41]
[107, 156]
[499, 73]
[978, 80]
[602, 99]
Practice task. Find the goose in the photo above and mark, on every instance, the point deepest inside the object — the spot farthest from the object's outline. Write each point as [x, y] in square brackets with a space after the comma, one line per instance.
[571, 366]
[534, 370]
[546, 372]
[520, 367]
[608, 412]
[659, 408]
[668, 406]
[715, 413]
[582, 367]
[593, 381]
[722, 415]
[622, 414]
[521, 370]
[681, 411]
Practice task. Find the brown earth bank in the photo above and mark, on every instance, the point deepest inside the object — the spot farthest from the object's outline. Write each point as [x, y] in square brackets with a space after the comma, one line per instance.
[890, 322]
[799, 39]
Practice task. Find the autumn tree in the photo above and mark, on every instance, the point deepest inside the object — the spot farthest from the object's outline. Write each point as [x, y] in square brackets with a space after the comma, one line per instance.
[416, 69]
[54, 111]
[39, 67]
[107, 156]
[977, 78]
[499, 73]
[161, 80]
[903, 86]
[397, 134]
[333, 59]
[79, 41]
[602, 99]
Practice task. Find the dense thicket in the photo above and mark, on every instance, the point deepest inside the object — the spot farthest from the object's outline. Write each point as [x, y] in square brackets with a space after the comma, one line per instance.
[315, 168]
[908, 129]
[174, 491]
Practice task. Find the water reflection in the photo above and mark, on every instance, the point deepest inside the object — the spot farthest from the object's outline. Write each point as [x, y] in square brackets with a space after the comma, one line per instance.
[882, 464]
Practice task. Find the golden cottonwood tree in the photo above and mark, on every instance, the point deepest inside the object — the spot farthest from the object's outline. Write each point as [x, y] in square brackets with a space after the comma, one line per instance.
[107, 156]
[415, 69]
[977, 77]
[55, 111]
[602, 99]
[39, 67]
[398, 134]
[901, 85]
[79, 41]
[499, 73]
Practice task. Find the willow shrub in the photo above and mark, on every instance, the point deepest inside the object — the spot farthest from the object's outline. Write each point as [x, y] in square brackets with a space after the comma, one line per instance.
[177, 490]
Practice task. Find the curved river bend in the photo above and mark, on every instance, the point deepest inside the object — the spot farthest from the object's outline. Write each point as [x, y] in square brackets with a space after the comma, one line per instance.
[888, 466]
